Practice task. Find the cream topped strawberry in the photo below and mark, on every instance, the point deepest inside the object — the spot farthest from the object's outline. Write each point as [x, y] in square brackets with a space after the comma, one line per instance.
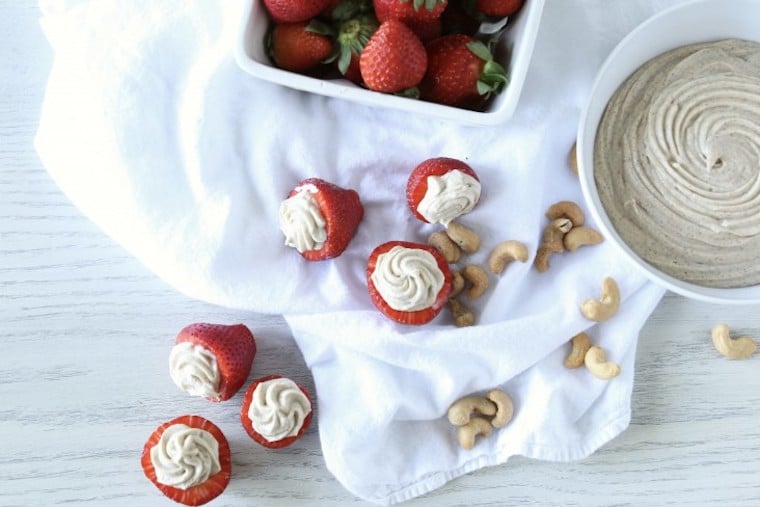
[408, 282]
[442, 189]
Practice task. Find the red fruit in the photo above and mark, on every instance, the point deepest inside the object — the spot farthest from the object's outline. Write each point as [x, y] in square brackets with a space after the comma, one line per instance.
[248, 424]
[413, 317]
[353, 36]
[297, 47]
[409, 10]
[201, 493]
[498, 8]
[294, 11]
[461, 72]
[233, 347]
[342, 211]
[417, 185]
[394, 59]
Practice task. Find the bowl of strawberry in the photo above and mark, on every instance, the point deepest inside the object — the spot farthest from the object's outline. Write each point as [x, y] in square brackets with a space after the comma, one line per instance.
[460, 60]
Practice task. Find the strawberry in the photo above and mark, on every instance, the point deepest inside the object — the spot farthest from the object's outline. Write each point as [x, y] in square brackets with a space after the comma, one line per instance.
[289, 416]
[299, 47]
[339, 210]
[233, 348]
[294, 11]
[201, 493]
[417, 185]
[353, 35]
[461, 72]
[394, 59]
[498, 8]
[422, 16]
[414, 277]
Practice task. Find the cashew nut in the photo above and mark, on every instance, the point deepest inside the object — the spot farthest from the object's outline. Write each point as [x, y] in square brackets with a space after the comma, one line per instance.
[444, 244]
[596, 362]
[542, 258]
[457, 283]
[581, 236]
[732, 348]
[607, 306]
[504, 408]
[572, 158]
[553, 242]
[581, 343]
[467, 433]
[566, 209]
[467, 239]
[504, 253]
[461, 315]
[460, 411]
[478, 279]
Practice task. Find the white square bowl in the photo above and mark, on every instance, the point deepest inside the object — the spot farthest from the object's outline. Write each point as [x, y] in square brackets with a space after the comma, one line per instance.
[513, 51]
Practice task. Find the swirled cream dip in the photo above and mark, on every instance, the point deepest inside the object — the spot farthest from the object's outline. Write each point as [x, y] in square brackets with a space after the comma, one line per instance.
[677, 162]
[449, 196]
[301, 220]
[194, 370]
[408, 279]
[278, 409]
[185, 457]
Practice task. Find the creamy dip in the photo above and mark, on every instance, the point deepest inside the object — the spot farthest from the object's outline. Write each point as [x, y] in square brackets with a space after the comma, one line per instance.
[677, 163]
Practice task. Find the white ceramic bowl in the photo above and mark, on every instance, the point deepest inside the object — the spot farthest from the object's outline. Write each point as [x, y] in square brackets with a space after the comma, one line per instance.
[514, 52]
[691, 22]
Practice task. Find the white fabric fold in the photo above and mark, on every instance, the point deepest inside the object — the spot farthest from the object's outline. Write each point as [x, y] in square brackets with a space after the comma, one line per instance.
[155, 134]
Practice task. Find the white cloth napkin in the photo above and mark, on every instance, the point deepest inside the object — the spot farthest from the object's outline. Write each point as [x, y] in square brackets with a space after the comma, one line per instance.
[156, 135]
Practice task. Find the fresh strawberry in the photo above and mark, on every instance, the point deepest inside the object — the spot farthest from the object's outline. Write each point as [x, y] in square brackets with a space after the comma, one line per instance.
[248, 424]
[233, 347]
[394, 59]
[205, 491]
[498, 8]
[426, 30]
[340, 208]
[299, 47]
[411, 317]
[417, 184]
[461, 72]
[353, 35]
[294, 11]
[422, 16]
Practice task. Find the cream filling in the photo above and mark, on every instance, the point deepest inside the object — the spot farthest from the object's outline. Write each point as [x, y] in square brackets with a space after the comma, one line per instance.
[301, 220]
[408, 279]
[185, 457]
[278, 409]
[449, 196]
[194, 370]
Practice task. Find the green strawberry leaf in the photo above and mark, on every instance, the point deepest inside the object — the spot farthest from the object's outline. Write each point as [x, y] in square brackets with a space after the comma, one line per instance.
[493, 79]
[410, 93]
[480, 50]
[320, 28]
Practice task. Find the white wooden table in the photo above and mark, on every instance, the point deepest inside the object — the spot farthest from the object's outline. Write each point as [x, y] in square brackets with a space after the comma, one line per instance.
[85, 329]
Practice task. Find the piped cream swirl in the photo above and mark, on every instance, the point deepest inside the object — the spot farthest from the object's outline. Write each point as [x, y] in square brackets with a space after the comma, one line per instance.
[408, 279]
[194, 370]
[449, 196]
[278, 409]
[185, 457]
[301, 220]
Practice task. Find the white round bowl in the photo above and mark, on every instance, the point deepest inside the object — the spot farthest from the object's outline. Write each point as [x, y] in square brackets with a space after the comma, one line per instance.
[687, 23]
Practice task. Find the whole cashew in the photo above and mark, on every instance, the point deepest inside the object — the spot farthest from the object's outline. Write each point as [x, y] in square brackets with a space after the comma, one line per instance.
[553, 242]
[576, 358]
[504, 408]
[596, 362]
[444, 244]
[581, 236]
[732, 348]
[478, 279]
[467, 239]
[457, 283]
[467, 433]
[572, 158]
[504, 253]
[460, 411]
[607, 306]
[566, 209]
[461, 315]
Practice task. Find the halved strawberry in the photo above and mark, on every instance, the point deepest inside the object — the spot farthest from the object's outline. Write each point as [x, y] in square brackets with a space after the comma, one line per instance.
[417, 185]
[340, 209]
[411, 317]
[498, 8]
[394, 59]
[299, 47]
[461, 72]
[233, 347]
[205, 491]
[292, 11]
[248, 423]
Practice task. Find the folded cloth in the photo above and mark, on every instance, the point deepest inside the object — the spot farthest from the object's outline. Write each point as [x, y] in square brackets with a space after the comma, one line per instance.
[155, 134]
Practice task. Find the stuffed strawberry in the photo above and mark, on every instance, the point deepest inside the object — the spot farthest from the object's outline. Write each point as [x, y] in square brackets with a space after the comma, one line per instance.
[394, 59]
[188, 459]
[294, 11]
[498, 8]
[319, 218]
[441, 189]
[276, 411]
[408, 282]
[212, 360]
[299, 47]
[461, 72]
